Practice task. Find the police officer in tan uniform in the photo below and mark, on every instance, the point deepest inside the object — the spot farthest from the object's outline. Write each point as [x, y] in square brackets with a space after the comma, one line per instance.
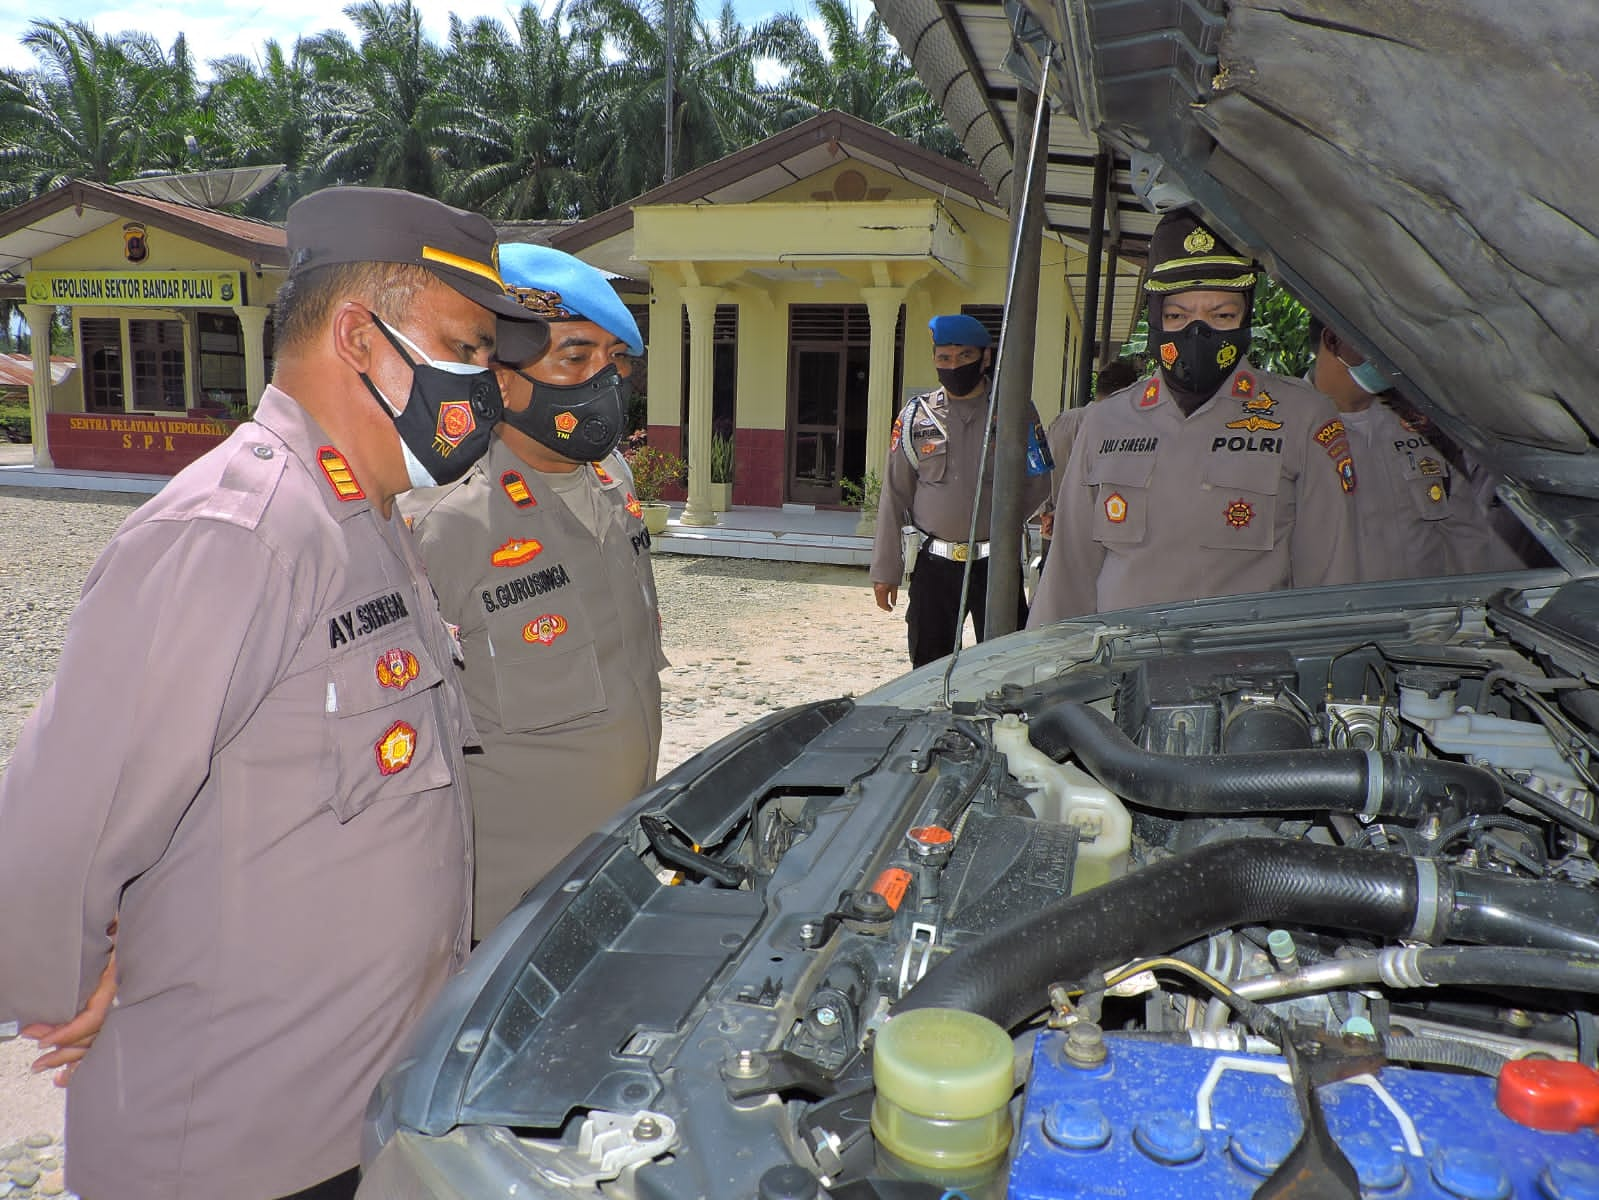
[1416, 514]
[1062, 432]
[540, 555]
[1211, 478]
[933, 477]
[250, 757]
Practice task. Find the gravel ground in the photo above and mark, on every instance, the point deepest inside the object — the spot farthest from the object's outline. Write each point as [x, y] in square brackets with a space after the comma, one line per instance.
[744, 638]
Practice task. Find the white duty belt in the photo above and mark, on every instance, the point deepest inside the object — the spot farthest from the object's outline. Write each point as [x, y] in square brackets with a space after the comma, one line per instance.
[954, 551]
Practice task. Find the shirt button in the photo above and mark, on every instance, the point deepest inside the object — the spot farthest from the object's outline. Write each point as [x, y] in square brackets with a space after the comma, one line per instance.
[263, 452]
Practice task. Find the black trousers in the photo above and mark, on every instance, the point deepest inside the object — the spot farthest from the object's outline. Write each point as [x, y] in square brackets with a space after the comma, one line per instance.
[935, 601]
[340, 1187]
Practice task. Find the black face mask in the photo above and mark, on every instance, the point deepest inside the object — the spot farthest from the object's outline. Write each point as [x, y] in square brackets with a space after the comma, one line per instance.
[961, 380]
[448, 421]
[1197, 358]
[581, 421]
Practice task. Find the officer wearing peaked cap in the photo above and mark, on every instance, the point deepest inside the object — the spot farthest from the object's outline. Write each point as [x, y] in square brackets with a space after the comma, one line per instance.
[1209, 478]
[540, 555]
[249, 764]
[934, 475]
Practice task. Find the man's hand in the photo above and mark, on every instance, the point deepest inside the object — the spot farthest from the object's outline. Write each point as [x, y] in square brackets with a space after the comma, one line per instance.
[72, 1040]
[1046, 525]
[886, 594]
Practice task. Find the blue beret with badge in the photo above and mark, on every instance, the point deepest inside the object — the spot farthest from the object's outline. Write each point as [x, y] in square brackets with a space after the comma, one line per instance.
[957, 329]
[556, 286]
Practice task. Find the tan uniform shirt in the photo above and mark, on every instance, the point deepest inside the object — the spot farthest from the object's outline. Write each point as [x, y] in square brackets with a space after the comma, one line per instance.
[1416, 516]
[1061, 436]
[249, 751]
[1249, 494]
[936, 494]
[562, 632]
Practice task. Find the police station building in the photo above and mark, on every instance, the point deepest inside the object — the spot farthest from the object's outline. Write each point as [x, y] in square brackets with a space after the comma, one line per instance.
[784, 293]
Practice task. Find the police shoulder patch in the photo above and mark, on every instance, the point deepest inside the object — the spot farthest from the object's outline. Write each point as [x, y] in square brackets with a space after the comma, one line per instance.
[340, 478]
[516, 489]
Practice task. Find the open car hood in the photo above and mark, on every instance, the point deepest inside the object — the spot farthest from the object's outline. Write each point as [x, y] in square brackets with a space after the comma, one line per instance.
[1415, 171]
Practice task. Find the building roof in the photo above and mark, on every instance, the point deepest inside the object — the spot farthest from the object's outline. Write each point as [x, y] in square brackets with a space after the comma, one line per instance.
[16, 370]
[772, 164]
[77, 208]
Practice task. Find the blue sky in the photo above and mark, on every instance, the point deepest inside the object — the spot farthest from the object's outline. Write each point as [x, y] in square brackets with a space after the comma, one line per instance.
[219, 27]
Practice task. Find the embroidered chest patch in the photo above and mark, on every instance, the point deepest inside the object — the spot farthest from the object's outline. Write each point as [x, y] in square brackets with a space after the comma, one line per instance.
[396, 668]
[396, 748]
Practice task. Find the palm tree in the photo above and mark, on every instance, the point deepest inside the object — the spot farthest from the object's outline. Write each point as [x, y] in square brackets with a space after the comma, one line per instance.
[512, 106]
[270, 112]
[861, 71]
[717, 104]
[382, 119]
[85, 112]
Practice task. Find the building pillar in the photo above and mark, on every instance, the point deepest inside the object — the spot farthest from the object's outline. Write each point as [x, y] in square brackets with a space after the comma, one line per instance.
[38, 317]
[882, 406]
[700, 301]
[252, 326]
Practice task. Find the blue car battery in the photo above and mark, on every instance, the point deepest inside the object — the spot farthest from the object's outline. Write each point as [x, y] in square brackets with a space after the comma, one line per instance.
[1158, 1120]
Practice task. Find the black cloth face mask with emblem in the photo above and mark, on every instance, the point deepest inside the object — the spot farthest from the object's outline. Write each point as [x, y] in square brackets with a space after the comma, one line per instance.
[1198, 357]
[579, 421]
[448, 421]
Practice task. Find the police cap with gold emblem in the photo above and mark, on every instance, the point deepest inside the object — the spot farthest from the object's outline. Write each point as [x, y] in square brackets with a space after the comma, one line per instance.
[1184, 256]
[360, 225]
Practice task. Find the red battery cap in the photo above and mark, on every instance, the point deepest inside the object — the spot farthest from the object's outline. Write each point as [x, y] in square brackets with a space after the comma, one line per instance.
[1542, 1093]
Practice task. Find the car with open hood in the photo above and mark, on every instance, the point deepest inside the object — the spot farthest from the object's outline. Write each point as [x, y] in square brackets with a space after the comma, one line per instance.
[1267, 895]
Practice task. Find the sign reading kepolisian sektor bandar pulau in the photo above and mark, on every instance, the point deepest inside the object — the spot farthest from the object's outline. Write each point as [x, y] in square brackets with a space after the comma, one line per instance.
[171, 289]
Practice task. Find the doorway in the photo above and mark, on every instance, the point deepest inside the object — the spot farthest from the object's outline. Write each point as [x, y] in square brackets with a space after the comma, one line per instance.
[828, 371]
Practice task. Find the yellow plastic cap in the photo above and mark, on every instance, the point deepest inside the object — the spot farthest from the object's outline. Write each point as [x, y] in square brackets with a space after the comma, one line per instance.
[943, 1063]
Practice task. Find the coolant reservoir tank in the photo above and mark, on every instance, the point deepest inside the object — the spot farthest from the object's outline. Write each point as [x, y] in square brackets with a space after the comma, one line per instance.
[942, 1111]
[1065, 793]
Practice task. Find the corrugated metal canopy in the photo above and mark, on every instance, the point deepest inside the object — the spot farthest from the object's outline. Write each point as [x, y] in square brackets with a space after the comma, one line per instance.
[963, 52]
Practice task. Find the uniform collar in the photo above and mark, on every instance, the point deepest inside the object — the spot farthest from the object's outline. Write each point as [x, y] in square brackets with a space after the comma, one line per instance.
[281, 415]
[1243, 384]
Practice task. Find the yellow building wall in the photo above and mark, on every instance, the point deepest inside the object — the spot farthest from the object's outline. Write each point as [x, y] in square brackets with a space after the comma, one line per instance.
[102, 250]
[810, 244]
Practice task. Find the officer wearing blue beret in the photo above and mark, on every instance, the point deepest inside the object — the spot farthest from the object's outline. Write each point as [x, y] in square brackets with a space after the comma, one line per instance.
[540, 555]
[934, 475]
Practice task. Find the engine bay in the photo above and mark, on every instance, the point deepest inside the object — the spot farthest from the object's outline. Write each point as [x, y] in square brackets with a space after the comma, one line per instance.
[1246, 907]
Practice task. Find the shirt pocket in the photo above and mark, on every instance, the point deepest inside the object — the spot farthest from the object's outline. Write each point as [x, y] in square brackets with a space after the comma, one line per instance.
[934, 465]
[382, 720]
[1430, 487]
[1121, 497]
[1238, 506]
[546, 671]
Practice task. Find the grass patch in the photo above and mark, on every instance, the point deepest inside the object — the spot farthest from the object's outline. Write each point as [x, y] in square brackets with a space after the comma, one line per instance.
[15, 423]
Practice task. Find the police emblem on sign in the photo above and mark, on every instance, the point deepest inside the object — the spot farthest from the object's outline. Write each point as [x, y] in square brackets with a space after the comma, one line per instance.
[135, 242]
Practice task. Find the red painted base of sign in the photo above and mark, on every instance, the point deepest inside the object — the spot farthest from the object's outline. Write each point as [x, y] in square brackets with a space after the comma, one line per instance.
[133, 443]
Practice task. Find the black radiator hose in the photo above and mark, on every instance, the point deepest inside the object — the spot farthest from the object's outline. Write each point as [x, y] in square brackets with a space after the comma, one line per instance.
[1268, 781]
[1006, 975]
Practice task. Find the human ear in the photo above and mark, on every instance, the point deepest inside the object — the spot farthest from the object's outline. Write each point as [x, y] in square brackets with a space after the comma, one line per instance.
[353, 331]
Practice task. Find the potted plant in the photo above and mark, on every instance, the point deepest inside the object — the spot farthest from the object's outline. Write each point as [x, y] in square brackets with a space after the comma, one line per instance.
[864, 494]
[721, 473]
[653, 470]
